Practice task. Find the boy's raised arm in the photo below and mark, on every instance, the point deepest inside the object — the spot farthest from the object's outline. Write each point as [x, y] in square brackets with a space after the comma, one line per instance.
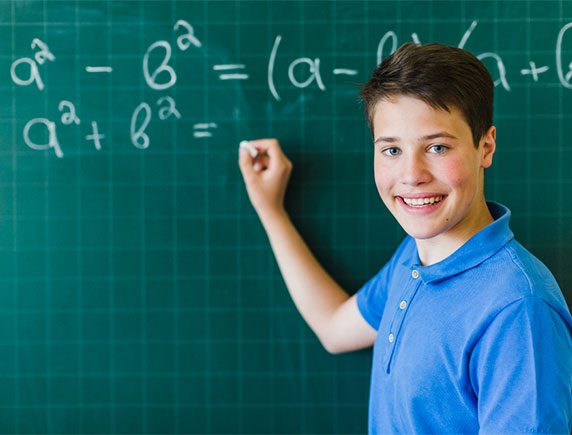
[330, 312]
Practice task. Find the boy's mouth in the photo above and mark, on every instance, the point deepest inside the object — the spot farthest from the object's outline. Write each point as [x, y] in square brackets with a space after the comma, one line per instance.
[422, 202]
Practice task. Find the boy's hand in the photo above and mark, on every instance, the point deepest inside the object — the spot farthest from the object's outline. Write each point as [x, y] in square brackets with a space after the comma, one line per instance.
[266, 176]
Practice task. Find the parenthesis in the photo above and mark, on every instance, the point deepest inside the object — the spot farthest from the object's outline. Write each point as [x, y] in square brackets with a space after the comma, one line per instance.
[563, 79]
[271, 67]
[465, 37]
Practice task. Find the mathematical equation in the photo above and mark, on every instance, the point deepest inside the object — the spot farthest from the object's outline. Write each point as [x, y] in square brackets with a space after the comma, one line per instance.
[186, 39]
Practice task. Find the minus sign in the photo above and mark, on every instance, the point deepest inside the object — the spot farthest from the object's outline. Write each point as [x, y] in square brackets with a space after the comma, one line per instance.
[98, 69]
[350, 72]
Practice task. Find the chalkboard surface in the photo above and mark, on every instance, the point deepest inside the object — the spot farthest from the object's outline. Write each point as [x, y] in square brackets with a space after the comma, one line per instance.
[138, 292]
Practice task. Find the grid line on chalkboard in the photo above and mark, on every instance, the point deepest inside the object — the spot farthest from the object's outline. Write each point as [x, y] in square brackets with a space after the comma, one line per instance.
[79, 226]
[110, 225]
[143, 248]
[14, 423]
[333, 226]
[208, 424]
[47, 263]
[239, 287]
[176, 406]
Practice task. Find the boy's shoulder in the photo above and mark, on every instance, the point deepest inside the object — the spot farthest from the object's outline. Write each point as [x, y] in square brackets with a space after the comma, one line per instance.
[513, 279]
[518, 273]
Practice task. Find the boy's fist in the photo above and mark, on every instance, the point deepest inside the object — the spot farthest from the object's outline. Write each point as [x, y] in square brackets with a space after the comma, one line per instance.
[266, 176]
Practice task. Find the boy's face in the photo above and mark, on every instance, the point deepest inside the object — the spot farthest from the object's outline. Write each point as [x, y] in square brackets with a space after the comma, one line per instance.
[427, 170]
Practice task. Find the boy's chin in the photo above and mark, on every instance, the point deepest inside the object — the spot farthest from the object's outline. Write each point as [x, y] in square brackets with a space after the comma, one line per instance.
[420, 233]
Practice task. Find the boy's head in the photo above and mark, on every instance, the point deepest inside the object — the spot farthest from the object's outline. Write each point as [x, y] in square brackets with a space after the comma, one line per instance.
[443, 77]
[430, 112]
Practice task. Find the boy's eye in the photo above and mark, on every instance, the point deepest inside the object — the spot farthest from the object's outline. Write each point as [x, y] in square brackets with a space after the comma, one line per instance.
[391, 152]
[437, 149]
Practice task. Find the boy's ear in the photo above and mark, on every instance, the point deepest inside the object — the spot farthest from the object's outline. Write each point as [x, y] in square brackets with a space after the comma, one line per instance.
[488, 143]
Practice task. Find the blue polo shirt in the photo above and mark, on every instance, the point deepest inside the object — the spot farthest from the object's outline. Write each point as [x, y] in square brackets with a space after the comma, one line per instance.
[479, 342]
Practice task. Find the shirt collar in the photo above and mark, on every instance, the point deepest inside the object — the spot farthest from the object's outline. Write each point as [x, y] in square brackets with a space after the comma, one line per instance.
[477, 249]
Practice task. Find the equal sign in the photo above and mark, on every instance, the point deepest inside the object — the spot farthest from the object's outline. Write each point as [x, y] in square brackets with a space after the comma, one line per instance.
[201, 130]
[97, 69]
[233, 76]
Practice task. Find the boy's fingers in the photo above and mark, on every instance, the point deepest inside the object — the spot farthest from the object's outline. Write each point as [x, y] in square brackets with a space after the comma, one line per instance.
[245, 163]
[270, 157]
[273, 148]
[274, 157]
[264, 145]
[262, 160]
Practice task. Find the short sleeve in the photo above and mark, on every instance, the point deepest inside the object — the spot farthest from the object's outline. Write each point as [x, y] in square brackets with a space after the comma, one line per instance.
[372, 296]
[521, 370]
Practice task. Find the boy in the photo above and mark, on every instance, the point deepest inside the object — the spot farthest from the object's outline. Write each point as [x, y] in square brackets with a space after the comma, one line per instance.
[470, 331]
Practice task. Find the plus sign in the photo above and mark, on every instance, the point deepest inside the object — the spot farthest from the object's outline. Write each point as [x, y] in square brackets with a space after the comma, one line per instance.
[534, 71]
[95, 137]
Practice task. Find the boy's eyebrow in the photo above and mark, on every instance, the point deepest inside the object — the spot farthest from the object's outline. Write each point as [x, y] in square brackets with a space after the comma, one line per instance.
[391, 139]
[438, 134]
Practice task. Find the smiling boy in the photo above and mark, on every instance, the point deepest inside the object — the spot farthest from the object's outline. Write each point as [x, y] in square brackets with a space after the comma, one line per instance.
[470, 331]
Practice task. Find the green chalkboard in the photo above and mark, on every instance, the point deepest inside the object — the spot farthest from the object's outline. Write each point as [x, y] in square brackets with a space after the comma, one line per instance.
[138, 291]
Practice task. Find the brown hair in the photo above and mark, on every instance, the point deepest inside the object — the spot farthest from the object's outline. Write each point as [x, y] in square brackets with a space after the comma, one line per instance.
[439, 75]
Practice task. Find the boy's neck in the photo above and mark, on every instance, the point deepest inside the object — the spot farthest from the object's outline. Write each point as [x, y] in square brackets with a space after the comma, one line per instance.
[438, 248]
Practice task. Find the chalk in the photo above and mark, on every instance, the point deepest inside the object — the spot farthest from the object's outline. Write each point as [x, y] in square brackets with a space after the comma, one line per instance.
[251, 149]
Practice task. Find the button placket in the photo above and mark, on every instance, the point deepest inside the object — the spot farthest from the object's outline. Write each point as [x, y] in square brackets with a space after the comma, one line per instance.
[397, 322]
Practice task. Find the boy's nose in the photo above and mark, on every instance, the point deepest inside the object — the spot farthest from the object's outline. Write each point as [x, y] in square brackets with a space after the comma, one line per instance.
[415, 171]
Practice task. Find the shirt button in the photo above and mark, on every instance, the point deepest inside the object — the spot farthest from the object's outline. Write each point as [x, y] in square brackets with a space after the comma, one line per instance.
[402, 305]
[391, 338]
[415, 274]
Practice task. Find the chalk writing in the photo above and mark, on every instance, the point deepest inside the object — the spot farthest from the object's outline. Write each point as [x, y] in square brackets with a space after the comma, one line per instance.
[70, 116]
[164, 67]
[564, 79]
[52, 136]
[231, 76]
[44, 53]
[95, 136]
[534, 71]
[302, 72]
[271, 61]
[169, 110]
[501, 69]
[349, 72]
[40, 57]
[314, 73]
[186, 40]
[202, 130]
[391, 34]
[98, 69]
[138, 136]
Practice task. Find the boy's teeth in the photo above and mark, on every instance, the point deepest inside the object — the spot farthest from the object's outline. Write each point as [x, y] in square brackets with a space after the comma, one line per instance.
[421, 202]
